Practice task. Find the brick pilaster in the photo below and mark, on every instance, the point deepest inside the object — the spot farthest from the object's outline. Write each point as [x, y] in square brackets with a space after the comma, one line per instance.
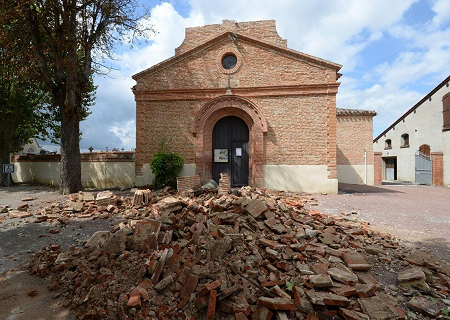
[377, 168]
[437, 159]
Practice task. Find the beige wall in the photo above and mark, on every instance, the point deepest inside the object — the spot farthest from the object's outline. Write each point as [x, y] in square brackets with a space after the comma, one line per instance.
[299, 178]
[355, 174]
[99, 175]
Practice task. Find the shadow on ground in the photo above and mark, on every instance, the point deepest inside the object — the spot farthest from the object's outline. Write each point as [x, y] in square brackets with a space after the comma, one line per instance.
[354, 189]
[438, 247]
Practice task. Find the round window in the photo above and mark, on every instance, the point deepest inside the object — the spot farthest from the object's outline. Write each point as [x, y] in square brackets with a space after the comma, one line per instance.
[229, 61]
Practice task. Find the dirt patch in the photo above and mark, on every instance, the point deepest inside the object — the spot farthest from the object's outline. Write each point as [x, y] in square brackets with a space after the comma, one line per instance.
[26, 297]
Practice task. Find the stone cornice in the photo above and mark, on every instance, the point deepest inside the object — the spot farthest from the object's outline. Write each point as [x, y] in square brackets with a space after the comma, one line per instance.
[247, 92]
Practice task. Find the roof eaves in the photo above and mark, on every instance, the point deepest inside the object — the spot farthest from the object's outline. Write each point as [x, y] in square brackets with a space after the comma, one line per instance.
[355, 112]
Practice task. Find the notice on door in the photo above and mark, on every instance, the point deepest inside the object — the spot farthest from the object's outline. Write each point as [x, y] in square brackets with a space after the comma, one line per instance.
[220, 155]
[238, 152]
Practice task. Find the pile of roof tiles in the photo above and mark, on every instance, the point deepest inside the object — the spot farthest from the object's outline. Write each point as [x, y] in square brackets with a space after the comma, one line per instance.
[254, 254]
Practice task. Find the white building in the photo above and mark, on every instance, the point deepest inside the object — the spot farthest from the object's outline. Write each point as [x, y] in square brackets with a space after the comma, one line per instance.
[416, 147]
[32, 147]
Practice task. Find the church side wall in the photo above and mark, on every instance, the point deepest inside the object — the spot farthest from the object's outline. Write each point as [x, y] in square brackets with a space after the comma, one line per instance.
[354, 135]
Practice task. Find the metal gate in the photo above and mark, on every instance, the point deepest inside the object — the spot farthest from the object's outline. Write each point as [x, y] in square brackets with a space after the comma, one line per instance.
[423, 169]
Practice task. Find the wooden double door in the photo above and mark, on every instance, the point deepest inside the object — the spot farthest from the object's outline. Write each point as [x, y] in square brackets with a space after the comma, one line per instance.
[230, 150]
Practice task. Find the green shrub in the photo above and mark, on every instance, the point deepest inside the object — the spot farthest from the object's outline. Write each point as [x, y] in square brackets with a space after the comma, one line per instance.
[166, 167]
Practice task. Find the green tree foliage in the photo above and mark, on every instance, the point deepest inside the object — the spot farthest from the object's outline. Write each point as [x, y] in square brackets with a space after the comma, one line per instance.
[23, 104]
[165, 167]
[67, 41]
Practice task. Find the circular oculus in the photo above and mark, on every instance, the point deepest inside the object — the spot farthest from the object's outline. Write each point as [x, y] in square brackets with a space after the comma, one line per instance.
[229, 61]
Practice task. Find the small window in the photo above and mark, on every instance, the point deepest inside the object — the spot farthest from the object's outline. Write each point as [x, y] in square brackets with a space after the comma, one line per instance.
[405, 140]
[31, 150]
[388, 144]
[446, 111]
[229, 61]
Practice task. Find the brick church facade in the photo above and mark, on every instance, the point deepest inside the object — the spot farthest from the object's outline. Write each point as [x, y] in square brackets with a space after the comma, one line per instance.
[235, 98]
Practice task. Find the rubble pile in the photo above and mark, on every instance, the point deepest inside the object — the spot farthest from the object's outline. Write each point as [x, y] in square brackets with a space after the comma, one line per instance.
[102, 205]
[254, 254]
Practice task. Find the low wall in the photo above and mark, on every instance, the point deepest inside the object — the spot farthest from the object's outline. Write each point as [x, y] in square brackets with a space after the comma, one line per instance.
[100, 170]
[146, 177]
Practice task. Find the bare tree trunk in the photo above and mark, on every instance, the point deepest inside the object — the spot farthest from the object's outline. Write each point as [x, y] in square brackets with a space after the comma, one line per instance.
[70, 153]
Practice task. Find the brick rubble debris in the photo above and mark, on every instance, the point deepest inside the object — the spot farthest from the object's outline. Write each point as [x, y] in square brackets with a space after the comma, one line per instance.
[253, 254]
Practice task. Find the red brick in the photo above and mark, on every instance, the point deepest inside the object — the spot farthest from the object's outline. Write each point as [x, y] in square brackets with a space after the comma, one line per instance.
[212, 305]
[356, 261]
[134, 301]
[345, 291]
[19, 214]
[189, 285]
[327, 299]
[276, 303]
[273, 283]
[182, 303]
[210, 286]
[437, 159]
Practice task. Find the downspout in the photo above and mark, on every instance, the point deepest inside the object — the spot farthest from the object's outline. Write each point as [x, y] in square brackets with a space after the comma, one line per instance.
[365, 166]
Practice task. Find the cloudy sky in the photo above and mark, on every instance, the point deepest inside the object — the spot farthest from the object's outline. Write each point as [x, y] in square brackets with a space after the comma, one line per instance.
[393, 53]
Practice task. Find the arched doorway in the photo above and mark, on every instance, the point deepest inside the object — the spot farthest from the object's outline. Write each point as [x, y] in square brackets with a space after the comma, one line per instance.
[230, 150]
[204, 122]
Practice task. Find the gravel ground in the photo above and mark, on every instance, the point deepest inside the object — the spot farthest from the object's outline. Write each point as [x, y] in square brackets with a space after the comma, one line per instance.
[20, 237]
[418, 215]
[23, 296]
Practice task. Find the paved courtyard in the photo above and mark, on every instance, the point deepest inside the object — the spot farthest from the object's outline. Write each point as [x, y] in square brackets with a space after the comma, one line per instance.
[419, 215]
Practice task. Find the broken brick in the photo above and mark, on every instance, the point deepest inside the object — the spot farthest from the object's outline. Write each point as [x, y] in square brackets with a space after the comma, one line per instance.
[356, 261]
[209, 287]
[424, 306]
[189, 285]
[327, 299]
[276, 303]
[211, 305]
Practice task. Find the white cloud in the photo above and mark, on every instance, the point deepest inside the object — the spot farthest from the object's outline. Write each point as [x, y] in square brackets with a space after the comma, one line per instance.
[126, 133]
[428, 53]
[333, 30]
[388, 100]
[442, 10]
[112, 122]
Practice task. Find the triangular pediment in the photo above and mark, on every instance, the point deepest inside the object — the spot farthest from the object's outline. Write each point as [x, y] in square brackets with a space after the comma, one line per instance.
[238, 39]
